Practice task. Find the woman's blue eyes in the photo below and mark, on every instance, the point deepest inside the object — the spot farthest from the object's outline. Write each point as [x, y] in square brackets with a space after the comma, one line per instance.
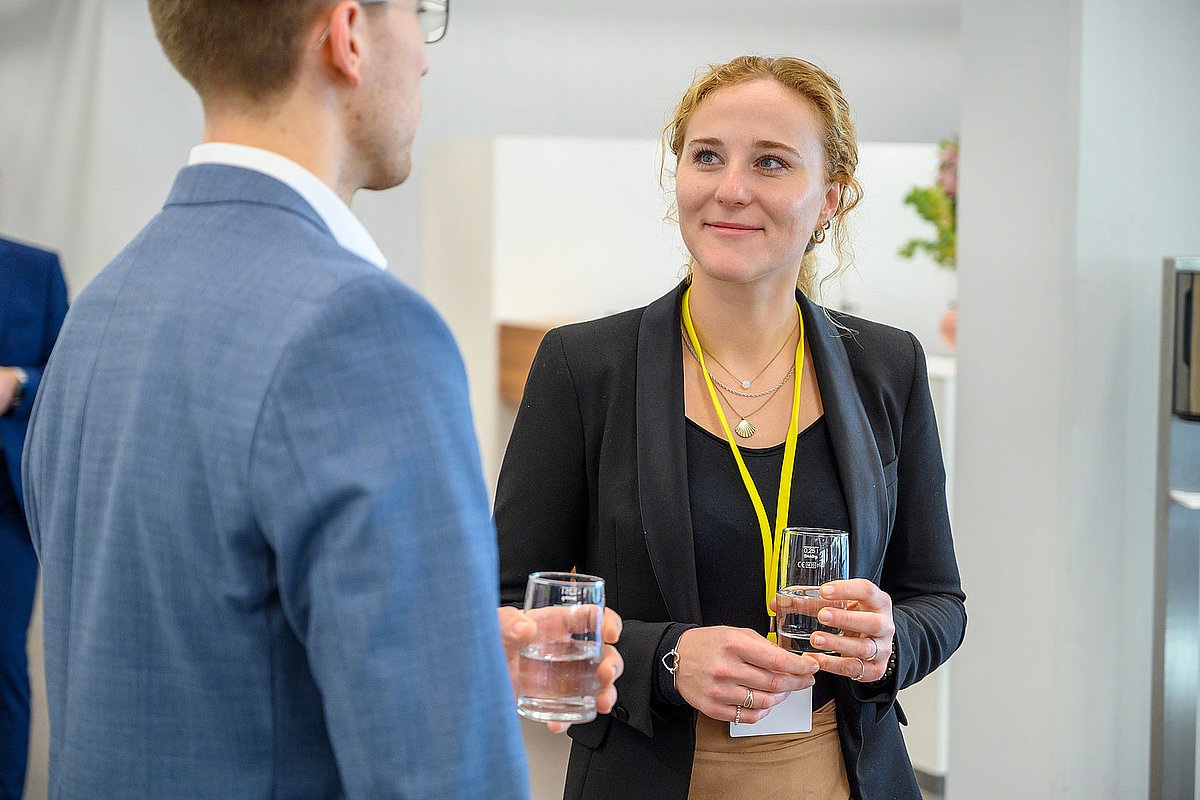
[766, 163]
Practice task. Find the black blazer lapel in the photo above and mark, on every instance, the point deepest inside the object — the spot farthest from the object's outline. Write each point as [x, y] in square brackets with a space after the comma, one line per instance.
[662, 458]
[857, 456]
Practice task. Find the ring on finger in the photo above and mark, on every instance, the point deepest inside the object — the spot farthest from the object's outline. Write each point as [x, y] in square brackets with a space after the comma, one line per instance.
[863, 672]
[875, 651]
[737, 715]
[749, 699]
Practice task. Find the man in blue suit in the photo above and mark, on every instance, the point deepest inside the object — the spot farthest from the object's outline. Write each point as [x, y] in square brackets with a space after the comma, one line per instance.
[251, 475]
[33, 301]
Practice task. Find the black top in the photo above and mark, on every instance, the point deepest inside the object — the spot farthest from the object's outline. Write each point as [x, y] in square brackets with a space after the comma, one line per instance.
[726, 535]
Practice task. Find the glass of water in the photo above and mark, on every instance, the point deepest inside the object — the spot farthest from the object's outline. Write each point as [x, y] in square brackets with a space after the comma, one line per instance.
[808, 558]
[557, 680]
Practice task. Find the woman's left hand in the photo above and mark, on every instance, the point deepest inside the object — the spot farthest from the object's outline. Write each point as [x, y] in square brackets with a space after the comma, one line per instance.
[865, 645]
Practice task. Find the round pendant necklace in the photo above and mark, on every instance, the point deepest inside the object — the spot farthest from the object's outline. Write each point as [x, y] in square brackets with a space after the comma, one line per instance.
[746, 384]
[731, 390]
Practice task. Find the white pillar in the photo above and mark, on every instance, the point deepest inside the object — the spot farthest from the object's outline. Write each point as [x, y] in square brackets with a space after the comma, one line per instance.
[1080, 171]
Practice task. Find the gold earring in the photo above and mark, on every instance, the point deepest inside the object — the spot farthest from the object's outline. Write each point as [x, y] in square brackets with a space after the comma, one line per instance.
[818, 235]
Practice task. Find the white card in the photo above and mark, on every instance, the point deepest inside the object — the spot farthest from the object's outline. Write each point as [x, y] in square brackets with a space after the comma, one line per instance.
[793, 715]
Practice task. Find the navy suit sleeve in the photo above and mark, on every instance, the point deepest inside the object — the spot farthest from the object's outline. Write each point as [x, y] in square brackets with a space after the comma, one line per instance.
[47, 296]
[368, 486]
[56, 311]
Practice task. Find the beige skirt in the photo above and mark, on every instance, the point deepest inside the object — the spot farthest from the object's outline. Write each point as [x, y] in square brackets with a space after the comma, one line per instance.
[796, 766]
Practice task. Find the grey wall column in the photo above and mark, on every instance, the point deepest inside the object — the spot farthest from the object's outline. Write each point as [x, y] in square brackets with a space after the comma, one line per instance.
[1080, 172]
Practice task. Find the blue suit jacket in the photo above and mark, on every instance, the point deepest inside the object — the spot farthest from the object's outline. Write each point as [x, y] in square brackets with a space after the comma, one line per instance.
[269, 566]
[33, 302]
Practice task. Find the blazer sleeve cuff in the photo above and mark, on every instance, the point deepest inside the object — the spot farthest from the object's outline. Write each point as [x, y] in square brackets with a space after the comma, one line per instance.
[883, 691]
[664, 683]
[636, 688]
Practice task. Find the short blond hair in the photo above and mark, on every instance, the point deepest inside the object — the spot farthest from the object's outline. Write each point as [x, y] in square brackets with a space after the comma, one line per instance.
[243, 50]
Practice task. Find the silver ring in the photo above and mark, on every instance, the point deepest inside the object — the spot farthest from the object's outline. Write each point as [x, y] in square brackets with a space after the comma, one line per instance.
[749, 699]
[737, 715]
[874, 652]
[864, 668]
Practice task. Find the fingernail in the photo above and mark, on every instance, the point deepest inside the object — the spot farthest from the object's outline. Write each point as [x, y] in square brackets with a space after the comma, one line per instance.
[818, 639]
[825, 615]
[827, 590]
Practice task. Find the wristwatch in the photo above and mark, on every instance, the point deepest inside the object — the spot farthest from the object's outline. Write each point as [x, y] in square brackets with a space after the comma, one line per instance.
[19, 393]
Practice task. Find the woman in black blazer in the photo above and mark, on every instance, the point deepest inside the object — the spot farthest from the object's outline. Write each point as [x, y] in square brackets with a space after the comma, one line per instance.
[621, 465]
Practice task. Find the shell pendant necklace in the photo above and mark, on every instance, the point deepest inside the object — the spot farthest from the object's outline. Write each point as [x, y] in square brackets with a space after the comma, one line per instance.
[745, 429]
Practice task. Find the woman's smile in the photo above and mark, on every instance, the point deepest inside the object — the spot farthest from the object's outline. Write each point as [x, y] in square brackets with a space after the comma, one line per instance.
[732, 229]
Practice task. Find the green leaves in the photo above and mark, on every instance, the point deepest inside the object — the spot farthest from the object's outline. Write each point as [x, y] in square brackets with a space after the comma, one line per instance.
[939, 209]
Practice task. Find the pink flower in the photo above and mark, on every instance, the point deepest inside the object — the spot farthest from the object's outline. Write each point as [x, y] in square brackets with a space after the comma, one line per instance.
[947, 177]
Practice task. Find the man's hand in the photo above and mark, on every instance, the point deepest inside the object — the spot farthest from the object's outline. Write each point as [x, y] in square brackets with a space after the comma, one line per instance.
[8, 388]
[518, 630]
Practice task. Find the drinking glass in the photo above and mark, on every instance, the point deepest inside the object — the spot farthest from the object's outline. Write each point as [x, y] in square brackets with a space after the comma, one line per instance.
[808, 557]
[557, 680]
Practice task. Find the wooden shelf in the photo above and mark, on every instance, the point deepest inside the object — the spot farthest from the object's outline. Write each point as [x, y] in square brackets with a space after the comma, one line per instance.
[518, 345]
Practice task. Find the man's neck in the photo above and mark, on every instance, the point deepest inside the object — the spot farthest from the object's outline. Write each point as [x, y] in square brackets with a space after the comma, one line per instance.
[303, 138]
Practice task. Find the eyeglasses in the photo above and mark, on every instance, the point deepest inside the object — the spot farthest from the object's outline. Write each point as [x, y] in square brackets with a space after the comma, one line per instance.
[433, 15]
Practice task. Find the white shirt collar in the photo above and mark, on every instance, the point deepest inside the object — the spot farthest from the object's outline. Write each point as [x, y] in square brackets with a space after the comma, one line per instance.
[345, 227]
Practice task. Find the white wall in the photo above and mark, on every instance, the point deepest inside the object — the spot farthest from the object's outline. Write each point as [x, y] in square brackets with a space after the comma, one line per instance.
[909, 293]
[1080, 171]
[96, 125]
[554, 68]
[573, 241]
[103, 122]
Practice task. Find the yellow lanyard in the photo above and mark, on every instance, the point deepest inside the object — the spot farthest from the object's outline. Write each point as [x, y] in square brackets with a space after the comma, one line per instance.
[770, 549]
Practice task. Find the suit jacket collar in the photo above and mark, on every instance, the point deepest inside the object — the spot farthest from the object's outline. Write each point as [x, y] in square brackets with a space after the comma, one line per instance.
[662, 451]
[221, 183]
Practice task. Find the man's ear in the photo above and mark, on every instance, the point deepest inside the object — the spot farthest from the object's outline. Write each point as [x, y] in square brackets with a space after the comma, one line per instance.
[343, 42]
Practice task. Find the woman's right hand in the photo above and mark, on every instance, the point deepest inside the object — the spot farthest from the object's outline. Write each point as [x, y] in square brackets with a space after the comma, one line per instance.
[718, 665]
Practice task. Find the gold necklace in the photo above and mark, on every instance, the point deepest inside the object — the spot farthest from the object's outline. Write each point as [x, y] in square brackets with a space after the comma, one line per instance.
[745, 428]
[746, 384]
